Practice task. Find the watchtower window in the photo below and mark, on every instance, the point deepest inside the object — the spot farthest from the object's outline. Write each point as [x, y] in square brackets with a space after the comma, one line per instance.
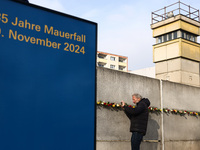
[160, 39]
[175, 35]
[170, 36]
[192, 38]
[165, 37]
[183, 34]
[188, 36]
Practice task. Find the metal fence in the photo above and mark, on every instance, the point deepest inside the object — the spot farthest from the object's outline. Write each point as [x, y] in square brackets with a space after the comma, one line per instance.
[173, 10]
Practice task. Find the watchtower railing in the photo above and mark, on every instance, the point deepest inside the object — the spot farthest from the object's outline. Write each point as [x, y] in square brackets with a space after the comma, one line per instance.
[173, 10]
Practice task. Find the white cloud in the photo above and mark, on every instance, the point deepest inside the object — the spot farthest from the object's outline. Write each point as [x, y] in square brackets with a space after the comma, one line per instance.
[91, 14]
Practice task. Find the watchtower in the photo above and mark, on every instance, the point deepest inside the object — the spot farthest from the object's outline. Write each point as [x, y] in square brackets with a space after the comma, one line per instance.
[176, 53]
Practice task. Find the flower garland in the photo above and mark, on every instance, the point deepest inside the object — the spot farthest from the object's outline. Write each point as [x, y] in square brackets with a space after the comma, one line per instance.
[151, 109]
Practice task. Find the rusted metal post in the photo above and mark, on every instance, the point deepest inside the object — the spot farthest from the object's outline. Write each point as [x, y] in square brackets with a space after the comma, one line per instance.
[198, 15]
[189, 12]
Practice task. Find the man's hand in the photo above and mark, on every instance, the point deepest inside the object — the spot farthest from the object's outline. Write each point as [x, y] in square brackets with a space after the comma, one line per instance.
[122, 103]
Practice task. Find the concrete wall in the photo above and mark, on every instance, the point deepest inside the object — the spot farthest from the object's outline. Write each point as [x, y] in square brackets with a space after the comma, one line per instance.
[113, 126]
[181, 132]
[148, 72]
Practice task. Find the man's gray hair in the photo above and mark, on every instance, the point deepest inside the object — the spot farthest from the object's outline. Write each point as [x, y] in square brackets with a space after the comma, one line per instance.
[137, 95]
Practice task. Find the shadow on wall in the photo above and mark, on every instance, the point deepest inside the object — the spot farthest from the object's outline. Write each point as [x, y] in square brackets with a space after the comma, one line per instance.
[152, 129]
[152, 135]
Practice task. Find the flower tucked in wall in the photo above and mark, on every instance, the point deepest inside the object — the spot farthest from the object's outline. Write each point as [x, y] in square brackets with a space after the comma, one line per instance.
[174, 111]
[108, 104]
[118, 105]
[154, 109]
[151, 109]
[166, 110]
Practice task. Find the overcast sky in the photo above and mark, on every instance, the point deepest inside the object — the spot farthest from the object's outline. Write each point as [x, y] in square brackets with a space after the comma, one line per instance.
[123, 26]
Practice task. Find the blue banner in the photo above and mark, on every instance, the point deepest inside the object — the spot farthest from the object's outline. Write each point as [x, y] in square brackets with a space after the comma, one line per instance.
[47, 79]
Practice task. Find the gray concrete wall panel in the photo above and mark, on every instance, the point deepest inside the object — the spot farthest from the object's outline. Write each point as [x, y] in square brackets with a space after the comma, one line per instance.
[178, 127]
[179, 96]
[180, 132]
[117, 86]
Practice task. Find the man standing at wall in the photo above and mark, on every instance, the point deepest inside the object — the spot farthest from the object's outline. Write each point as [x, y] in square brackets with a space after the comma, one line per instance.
[138, 118]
